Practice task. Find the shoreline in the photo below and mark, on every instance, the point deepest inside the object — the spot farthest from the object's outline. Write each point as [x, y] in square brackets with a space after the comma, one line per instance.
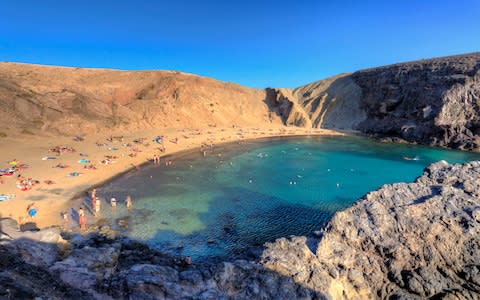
[66, 193]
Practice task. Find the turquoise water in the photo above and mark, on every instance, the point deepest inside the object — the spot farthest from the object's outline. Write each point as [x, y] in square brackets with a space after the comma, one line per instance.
[258, 191]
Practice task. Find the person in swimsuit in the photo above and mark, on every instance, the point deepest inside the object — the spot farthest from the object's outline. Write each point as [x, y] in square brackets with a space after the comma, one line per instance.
[82, 218]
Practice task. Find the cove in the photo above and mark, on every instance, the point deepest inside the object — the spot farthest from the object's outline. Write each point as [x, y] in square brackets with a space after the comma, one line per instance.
[242, 195]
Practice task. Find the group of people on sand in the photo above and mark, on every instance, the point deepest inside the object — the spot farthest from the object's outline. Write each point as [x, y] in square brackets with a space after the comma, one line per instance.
[59, 150]
[25, 184]
[15, 167]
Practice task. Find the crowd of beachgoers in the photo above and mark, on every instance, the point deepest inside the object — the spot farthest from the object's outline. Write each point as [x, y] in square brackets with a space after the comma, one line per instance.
[68, 165]
[15, 168]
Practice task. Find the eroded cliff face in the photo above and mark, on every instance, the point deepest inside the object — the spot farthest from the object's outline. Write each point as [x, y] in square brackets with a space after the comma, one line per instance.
[406, 241]
[434, 102]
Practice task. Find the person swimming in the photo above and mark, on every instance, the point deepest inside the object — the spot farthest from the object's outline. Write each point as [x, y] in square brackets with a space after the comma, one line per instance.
[65, 218]
[97, 207]
[128, 202]
[113, 202]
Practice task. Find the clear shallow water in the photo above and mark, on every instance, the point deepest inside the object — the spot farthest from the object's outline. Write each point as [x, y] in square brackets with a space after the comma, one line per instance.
[259, 191]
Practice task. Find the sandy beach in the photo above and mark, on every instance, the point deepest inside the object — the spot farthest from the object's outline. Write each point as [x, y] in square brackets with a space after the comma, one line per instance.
[57, 188]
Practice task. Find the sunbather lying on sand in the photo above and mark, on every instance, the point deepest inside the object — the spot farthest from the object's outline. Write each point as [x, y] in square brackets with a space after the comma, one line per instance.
[90, 167]
[62, 166]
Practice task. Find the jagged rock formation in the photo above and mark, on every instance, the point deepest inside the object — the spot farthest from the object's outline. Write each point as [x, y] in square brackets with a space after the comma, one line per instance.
[436, 102]
[104, 266]
[290, 112]
[404, 241]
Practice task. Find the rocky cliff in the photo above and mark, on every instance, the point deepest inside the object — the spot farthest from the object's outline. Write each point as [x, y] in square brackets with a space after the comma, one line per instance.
[404, 241]
[434, 102]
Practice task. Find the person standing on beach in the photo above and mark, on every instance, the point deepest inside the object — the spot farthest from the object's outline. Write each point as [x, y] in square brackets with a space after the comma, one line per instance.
[81, 218]
[128, 202]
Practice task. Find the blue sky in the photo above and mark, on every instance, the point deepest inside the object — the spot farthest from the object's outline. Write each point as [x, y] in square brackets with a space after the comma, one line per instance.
[254, 43]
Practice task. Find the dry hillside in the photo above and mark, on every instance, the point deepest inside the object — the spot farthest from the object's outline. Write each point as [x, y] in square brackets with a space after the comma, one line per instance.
[75, 101]
[435, 101]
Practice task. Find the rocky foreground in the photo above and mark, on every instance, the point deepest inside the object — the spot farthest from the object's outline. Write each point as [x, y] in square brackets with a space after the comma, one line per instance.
[407, 241]
[404, 241]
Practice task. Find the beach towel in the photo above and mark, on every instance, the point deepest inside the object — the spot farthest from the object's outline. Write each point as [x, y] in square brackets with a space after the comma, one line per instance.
[83, 161]
[48, 158]
[5, 197]
[62, 166]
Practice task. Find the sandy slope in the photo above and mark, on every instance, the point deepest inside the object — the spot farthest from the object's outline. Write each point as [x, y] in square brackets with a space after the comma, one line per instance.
[62, 100]
[55, 198]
